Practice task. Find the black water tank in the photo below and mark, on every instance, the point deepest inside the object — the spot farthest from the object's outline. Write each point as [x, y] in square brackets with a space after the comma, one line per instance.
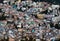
[1, 1]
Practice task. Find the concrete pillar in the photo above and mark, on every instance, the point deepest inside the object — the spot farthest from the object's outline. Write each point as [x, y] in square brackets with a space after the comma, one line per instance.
[28, 0]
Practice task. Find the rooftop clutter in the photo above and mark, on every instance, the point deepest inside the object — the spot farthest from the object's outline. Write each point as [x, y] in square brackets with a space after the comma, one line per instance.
[38, 20]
